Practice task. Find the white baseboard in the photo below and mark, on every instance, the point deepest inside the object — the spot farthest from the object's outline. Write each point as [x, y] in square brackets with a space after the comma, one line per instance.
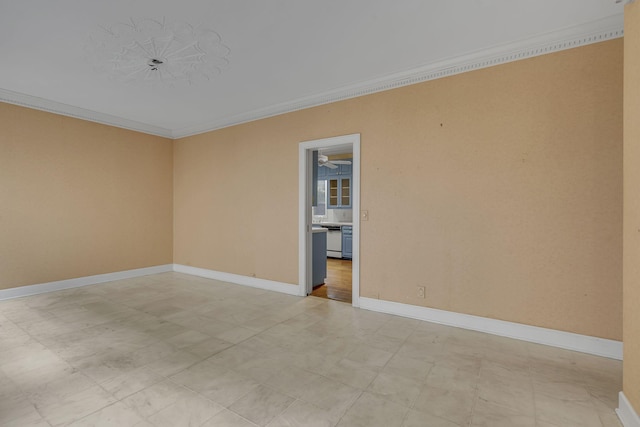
[59, 285]
[238, 279]
[626, 413]
[583, 343]
[567, 340]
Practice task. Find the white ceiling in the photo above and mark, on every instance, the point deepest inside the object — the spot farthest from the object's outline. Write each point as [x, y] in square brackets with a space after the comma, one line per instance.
[284, 54]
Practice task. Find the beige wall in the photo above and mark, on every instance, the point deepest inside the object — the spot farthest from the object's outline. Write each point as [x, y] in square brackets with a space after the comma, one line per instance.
[499, 190]
[236, 201]
[79, 198]
[632, 204]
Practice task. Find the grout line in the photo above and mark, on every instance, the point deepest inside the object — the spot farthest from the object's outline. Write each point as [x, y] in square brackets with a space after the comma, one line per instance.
[297, 309]
[533, 389]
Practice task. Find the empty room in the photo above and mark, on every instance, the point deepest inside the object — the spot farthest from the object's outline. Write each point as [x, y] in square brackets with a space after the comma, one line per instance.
[303, 213]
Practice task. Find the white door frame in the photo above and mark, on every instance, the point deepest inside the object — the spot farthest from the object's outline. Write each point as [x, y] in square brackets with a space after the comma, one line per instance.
[304, 219]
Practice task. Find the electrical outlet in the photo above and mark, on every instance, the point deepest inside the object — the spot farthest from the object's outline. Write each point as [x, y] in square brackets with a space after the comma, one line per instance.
[420, 291]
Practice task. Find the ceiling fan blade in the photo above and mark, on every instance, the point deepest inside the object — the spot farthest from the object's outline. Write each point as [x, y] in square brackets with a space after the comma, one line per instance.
[341, 162]
[329, 165]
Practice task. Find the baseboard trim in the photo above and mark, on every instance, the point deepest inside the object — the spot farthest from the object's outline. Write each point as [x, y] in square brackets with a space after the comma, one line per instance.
[59, 285]
[626, 413]
[567, 340]
[238, 279]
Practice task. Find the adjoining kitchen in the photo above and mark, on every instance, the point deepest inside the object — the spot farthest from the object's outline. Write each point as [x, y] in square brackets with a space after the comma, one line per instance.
[332, 213]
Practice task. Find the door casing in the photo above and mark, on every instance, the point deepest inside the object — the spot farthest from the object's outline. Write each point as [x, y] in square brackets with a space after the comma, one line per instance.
[305, 180]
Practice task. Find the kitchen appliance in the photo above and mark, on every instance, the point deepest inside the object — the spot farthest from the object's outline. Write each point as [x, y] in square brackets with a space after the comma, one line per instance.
[334, 241]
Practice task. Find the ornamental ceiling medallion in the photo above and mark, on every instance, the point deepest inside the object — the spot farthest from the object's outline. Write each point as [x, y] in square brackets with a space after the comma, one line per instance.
[158, 52]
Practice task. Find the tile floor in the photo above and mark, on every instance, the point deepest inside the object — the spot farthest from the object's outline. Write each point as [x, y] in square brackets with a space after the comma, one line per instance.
[176, 350]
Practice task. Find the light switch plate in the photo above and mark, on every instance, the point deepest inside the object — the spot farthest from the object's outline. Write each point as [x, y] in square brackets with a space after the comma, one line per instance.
[364, 215]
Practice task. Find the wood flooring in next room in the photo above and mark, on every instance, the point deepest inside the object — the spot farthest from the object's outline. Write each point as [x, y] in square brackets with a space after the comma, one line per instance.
[337, 286]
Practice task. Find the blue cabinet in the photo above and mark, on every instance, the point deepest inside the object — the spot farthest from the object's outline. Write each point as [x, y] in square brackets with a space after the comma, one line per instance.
[345, 191]
[339, 192]
[340, 170]
[347, 241]
[319, 263]
[329, 172]
[346, 169]
[338, 185]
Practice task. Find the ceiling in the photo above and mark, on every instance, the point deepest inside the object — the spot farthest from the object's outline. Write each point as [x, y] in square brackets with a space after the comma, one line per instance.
[283, 54]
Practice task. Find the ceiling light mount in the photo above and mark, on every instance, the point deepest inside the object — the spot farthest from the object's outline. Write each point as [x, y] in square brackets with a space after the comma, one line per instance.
[155, 63]
[158, 52]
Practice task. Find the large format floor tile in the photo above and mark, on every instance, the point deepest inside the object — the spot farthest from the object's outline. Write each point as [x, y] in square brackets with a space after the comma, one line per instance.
[177, 350]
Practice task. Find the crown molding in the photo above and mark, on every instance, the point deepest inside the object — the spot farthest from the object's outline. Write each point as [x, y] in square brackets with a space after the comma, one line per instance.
[581, 35]
[37, 103]
[601, 30]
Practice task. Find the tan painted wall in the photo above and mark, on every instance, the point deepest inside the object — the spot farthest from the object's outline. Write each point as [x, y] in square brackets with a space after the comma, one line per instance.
[79, 198]
[631, 363]
[236, 201]
[500, 190]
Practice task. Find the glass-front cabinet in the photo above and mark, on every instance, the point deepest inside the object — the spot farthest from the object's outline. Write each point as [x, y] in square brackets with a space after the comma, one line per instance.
[339, 191]
[345, 192]
[337, 185]
[334, 191]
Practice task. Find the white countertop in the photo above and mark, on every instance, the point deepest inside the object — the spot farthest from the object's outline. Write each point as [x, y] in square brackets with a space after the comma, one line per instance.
[332, 223]
[318, 230]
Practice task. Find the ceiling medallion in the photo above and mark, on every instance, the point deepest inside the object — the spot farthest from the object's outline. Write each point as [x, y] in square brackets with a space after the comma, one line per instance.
[155, 52]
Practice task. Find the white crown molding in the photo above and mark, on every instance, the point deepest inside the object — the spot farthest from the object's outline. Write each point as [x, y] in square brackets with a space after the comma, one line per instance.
[581, 35]
[59, 285]
[567, 340]
[626, 413]
[608, 28]
[238, 279]
[37, 103]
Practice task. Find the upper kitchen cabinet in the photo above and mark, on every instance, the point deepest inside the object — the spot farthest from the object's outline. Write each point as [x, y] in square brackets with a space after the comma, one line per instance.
[341, 169]
[346, 169]
[339, 189]
[345, 192]
[338, 184]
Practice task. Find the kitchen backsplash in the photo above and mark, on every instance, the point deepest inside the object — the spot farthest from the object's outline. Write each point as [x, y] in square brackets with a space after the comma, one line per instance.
[338, 215]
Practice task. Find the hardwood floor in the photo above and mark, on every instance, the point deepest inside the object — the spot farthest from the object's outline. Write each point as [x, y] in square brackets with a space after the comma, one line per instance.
[337, 286]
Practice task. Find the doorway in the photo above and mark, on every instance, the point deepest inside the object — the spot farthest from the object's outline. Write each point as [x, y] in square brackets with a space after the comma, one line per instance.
[338, 284]
[344, 144]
